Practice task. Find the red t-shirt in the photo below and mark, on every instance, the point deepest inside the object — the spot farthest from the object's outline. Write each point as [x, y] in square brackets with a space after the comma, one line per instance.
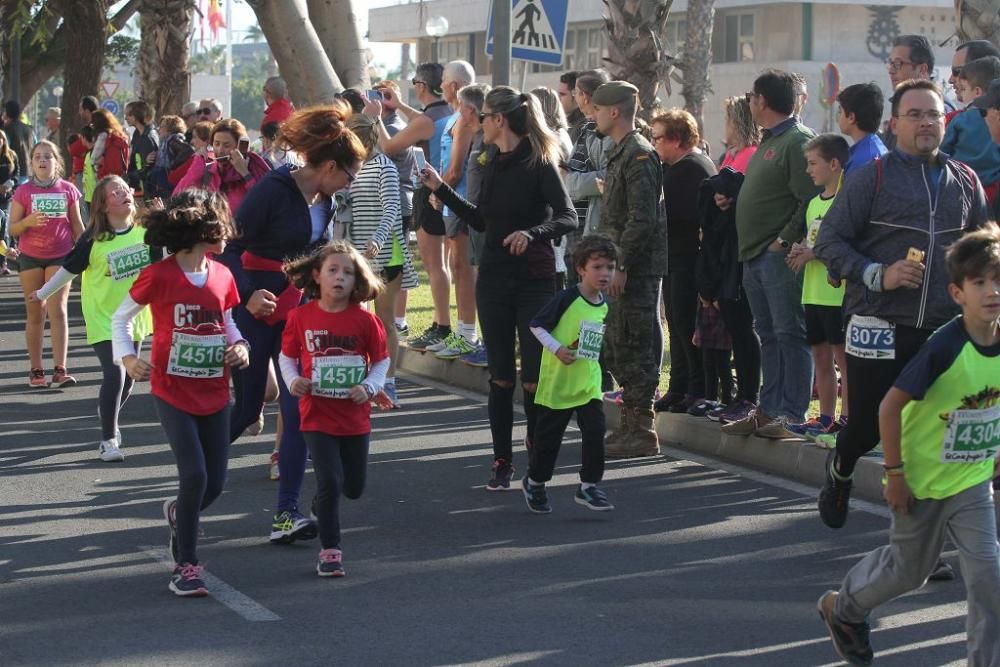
[343, 346]
[189, 334]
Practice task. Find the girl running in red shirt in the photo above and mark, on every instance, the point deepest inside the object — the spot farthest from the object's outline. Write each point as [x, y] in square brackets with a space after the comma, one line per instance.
[334, 358]
[195, 342]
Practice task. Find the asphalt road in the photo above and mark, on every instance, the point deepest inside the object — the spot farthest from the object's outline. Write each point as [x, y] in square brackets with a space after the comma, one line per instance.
[699, 565]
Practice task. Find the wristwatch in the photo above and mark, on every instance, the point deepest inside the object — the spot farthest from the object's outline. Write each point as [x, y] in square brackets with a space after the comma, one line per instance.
[783, 243]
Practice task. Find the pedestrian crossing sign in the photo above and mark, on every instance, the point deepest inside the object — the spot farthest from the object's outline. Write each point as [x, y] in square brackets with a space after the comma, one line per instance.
[537, 30]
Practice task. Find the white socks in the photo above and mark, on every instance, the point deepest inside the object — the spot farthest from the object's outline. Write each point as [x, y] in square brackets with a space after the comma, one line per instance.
[467, 331]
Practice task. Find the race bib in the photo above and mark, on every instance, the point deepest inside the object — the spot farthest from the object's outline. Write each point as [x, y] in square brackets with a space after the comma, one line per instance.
[53, 204]
[870, 338]
[590, 341]
[333, 377]
[198, 357]
[128, 262]
[972, 436]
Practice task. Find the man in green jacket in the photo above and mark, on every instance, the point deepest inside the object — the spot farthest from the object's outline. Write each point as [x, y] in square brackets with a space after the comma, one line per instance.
[770, 216]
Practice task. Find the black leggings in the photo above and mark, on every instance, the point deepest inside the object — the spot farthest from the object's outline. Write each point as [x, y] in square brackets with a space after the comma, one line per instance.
[549, 431]
[680, 305]
[201, 447]
[116, 387]
[341, 466]
[870, 380]
[718, 375]
[746, 346]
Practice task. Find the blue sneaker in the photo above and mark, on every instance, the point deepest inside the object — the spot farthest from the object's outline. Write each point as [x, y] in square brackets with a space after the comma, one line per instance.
[389, 388]
[536, 497]
[476, 358]
[593, 499]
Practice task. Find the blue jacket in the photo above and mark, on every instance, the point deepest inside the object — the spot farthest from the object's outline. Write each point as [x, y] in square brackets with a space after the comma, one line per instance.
[968, 140]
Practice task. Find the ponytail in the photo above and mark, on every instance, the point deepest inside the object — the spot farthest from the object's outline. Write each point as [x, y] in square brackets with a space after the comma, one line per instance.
[524, 114]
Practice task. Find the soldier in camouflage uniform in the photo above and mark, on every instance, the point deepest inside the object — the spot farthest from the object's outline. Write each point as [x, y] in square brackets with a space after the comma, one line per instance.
[631, 218]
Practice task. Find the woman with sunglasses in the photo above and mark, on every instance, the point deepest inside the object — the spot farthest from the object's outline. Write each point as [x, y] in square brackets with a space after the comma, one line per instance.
[522, 205]
[286, 215]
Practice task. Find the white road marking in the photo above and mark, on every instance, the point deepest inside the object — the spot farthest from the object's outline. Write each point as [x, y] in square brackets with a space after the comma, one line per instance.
[221, 591]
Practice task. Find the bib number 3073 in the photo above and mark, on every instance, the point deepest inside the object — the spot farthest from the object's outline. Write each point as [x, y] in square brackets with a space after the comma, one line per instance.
[333, 377]
[972, 436]
[198, 357]
[870, 338]
[590, 341]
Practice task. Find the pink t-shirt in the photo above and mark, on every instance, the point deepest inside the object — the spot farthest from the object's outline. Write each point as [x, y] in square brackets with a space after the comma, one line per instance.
[55, 237]
[740, 160]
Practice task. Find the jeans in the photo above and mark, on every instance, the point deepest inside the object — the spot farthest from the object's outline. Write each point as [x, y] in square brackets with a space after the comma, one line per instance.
[775, 295]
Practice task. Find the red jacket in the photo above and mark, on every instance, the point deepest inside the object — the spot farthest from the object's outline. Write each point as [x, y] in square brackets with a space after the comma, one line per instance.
[278, 112]
[78, 151]
[115, 159]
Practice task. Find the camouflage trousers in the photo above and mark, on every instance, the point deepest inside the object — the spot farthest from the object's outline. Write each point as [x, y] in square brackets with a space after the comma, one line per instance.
[633, 340]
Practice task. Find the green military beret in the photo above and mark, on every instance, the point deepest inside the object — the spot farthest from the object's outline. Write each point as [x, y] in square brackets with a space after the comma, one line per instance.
[614, 92]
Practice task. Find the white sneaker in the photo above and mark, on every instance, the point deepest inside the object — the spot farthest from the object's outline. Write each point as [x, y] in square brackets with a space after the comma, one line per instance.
[110, 452]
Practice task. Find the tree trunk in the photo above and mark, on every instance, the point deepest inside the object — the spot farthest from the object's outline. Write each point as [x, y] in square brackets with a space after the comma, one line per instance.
[698, 58]
[163, 76]
[339, 29]
[635, 52]
[293, 40]
[84, 62]
[978, 19]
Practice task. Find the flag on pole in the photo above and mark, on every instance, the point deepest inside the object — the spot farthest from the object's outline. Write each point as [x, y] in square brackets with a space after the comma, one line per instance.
[215, 18]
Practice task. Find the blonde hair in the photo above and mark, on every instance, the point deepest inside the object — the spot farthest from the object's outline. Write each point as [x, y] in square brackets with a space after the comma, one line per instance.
[738, 112]
[555, 115]
[367, 285]
[366, 129]
[524, 115]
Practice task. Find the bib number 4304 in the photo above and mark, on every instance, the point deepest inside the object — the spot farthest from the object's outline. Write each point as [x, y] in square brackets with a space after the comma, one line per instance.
[972, 436]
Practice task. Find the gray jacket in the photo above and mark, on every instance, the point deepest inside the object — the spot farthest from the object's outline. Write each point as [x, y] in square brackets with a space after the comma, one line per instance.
[586, 165]
[887, 207]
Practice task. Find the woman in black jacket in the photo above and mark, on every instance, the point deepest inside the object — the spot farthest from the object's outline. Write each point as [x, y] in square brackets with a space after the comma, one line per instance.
[9, 171]
[522, 206]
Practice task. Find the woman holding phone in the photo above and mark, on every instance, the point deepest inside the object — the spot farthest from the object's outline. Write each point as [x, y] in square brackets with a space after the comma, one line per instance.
[234, 169]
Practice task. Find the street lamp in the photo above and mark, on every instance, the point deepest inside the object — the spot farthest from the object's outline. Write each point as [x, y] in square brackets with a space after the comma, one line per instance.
[436, 27]
[58, 91]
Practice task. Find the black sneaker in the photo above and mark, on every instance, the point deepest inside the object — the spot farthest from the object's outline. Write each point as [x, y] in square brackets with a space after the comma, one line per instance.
[593, 499]
[536, 497]
[668, 400]
[681, 407]
[170, 514]
[834, 497]
[502, 474]
[290, 525]
[186, 581]
[850, 640]
[330, 563]
[432, 336]
[942, 572]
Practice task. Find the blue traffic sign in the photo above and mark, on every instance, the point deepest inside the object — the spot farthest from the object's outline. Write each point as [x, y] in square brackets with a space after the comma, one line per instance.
[111, 107]
[537, 30]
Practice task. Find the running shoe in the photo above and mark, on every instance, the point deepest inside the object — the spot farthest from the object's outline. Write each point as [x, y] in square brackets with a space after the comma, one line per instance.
[681, 407]
[805, 427]
[170, 514]
[942, 572]
[593, 499]
[834, 497]
[60, 378]
[614, 396]
[457, 347]
[737, 411]
[834, 428]
[851, 641]
[257, 427]
[434, 335]
[502, 474]
[476, 358]
[402, 330]
[668, 400]
[826, 440]
[273, 472]
[36, 379]
[290, 525]
[330, 563]
[536, 497]
[451, 338]
[777, 430]
[109, 451]
[186, 581]
[702, 407]
[715, 414]
[389, 389]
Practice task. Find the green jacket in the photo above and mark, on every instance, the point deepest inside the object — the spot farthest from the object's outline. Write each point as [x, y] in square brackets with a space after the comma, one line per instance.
[776, 190]
[631, 203]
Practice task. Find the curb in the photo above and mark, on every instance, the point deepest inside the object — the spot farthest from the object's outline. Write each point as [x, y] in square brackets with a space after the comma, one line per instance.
[797, 460]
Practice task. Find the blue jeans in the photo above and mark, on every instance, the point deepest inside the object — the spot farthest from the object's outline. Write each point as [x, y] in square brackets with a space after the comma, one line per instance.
[775, 296]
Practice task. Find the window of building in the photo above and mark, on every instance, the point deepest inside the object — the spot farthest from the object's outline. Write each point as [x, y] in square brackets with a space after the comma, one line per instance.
[584, 48]
[733, 38]
[453, 48]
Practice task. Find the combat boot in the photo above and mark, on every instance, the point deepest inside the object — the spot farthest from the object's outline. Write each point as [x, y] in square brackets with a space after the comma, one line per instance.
[639, 440]
[612, 440]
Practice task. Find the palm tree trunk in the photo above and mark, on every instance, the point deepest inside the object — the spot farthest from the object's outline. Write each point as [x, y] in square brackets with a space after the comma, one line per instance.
[635, 51]
[84, 63]
[978, 19]
[698, 58]
[338, 26]
[164, 79]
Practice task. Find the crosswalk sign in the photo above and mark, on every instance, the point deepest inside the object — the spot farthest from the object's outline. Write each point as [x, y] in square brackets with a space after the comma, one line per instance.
[537, 31]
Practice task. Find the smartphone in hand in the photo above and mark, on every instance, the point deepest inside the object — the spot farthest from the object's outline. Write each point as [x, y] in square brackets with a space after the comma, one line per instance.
[418, 155]
[244, 146]
[374, 95]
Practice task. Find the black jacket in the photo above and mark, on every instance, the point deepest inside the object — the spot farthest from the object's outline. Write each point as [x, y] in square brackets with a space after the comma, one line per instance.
[718, 273]
[138, 164]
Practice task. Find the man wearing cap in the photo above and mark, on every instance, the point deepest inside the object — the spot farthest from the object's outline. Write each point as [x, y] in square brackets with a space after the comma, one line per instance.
[631, 218]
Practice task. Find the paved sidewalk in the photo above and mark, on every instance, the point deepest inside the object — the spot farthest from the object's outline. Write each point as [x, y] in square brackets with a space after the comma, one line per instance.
[697, 566]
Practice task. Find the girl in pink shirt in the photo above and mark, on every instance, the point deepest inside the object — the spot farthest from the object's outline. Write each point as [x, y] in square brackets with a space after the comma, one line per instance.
[45, 218]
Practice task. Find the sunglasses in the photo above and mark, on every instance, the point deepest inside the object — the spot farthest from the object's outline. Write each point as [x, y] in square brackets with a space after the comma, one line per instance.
[483, 116]
[414, 81]
[350, 175]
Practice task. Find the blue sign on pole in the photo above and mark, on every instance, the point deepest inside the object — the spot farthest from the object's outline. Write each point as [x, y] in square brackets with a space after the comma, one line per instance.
[110, 106]
[537, 30]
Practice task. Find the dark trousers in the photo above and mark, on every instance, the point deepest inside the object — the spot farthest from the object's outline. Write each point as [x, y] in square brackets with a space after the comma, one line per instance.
[870, 380]
[718, 375]
[116, 387]
[506, 306]
[249, 386]
[746, 347]
[680, 303]
[549, 430]
[341, 466]
[200, 444]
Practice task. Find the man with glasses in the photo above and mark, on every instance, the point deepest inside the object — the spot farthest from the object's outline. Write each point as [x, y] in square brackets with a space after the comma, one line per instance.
[967, 52]
[886, 234]
[912, 57]
[210, 109]
[189, 112]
